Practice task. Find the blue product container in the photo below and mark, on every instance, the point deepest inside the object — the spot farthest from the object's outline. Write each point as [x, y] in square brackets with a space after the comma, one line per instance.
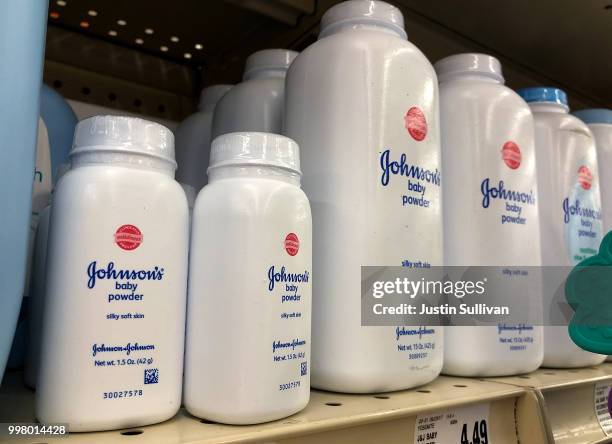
[22, 40]
[59, 121]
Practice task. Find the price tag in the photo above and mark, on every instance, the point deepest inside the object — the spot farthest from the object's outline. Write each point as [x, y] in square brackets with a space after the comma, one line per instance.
[462, 425]
[603, 406]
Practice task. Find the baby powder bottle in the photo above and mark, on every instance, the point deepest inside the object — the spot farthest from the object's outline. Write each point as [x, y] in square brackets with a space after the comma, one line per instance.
[114, 315]
[248, 328]
[362, 103]
[257, 103]
[599, 122]
[193, 141]
[490, 207]
[568, 184]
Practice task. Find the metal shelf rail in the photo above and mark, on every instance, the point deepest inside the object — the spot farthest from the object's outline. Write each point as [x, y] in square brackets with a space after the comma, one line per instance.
[447, 408]
[574, 403]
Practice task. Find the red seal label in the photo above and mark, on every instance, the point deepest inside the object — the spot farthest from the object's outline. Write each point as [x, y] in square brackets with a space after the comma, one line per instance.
[415, 123]
[585, 177]
[511, 154]
[292, 244]
[128, 237]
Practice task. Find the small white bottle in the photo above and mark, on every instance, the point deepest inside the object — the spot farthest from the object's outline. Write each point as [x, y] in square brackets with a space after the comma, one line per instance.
[114, 320]
[599, 121]
[567, 173]
[193, 137]
[248, 328]
[257, 103]
[488, 153]
[361, 102]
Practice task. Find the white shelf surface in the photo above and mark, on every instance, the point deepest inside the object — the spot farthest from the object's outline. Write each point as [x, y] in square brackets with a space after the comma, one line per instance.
[549, 405]
[329, 417]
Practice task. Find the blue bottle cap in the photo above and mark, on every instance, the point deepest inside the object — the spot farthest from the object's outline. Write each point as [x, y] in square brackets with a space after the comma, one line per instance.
[594, 115]
[544, 94]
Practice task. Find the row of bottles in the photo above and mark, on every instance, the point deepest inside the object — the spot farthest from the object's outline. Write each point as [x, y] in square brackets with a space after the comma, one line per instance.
[396, 174]
[345, 137]
[116, 282]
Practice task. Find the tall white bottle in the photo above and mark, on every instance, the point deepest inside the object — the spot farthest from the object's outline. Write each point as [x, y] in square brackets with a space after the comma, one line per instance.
[488, 153]
[362, 103]
[114, 321]
[567, 178]
[193, 137]
[257, 103]
[248, 330]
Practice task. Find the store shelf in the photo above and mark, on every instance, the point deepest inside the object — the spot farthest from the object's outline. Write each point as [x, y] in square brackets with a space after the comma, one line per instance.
[329, 418]
[567, 400]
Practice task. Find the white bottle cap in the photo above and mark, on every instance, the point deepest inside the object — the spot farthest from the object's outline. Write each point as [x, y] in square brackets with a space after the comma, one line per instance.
[212, 94]
[470, 63]
[251, 148]
[363, 11]
[269, 59]
[124, 134]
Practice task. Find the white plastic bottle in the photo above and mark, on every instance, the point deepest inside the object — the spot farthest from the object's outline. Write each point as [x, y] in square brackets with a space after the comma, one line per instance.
[248, 328]
[361, 102]
[488, 156]
[114, 321]
[257, 103]
[567, 174]
[599, 121]
[193, 137]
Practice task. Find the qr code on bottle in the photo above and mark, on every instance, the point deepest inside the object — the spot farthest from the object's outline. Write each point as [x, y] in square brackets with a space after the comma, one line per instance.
[304, 368]
[151, 376]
